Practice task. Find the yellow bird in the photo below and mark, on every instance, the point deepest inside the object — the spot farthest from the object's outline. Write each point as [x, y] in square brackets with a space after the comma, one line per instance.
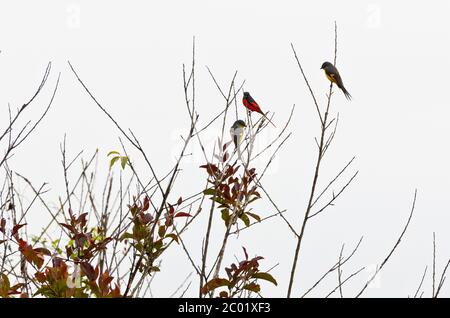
[333, 75]
[237, 133]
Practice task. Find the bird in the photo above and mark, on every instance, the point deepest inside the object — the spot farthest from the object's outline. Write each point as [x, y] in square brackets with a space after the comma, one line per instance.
[253, 106]
[333, 75]
[237, 133]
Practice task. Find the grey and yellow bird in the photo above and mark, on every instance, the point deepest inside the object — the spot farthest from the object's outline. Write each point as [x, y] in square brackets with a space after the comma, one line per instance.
[333, 75]
[237, 134]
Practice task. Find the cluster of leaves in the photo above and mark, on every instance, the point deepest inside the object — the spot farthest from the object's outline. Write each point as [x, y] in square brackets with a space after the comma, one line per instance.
[116, 156]
[242, 277]
[151, 236]
[84, 243]
[54, 280]
[86, 280]
[232, 191]
[6, 290]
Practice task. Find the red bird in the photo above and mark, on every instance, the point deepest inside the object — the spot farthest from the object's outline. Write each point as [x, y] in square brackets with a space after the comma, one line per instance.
[253, 106]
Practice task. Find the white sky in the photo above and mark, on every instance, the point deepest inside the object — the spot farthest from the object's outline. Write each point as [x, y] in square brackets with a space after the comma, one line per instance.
[393, 57]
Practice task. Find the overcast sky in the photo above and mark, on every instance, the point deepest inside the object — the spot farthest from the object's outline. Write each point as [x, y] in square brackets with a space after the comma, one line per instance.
[392, 55]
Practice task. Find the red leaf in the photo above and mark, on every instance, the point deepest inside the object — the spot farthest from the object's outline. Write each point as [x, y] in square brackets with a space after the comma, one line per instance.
[43, 251]
[38, 259]
[210, 168]
[245, 252]
[82, 219]
[26, 250]
[104, 281]
[146, 203]
[88, 270]
[16, 228]
[57, 261]
[40, 277]
[223, 294]
[2, 225]
[181, 214]
[69, 227]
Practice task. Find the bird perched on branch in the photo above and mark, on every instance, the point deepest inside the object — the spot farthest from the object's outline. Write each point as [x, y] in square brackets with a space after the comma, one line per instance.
[333, 75]
[253, 106]
[237, 133]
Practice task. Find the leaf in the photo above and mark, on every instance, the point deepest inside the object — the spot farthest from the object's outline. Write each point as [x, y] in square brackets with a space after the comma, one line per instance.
[162, 231]
[69, 227]
[210, 168]
[213, 284]
[225, 146]
[113, 153]
[104, 280]
[182, 214]
[180, 200]
[123, 161]
[43, 251]
[173, 237]
[223, 294]
[16, 228]
[146, 203]
[254, 287]
[88, 270]
[2, 225]
[5, 282]
[226, 216]
[265, 276]
[82, 219]
[126, 236]
[255, 216]
[245, 218]
[245, 252]
[113, 161]
[209, 191]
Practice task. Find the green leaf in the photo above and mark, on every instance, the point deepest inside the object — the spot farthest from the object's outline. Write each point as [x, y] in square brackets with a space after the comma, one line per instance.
[209, 191]
[254, 287]
[5, 282]
[245, 219]
[226, 216]
[255, 216]
[265, 276]
[123, 161]
[126, 236]
[113, 161]
[213, 284]
[112, 153]
[173, 237]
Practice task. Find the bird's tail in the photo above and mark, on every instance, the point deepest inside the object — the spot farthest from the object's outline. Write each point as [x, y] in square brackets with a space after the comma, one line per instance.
[346, 93]
[268, 119]
[238, 150]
